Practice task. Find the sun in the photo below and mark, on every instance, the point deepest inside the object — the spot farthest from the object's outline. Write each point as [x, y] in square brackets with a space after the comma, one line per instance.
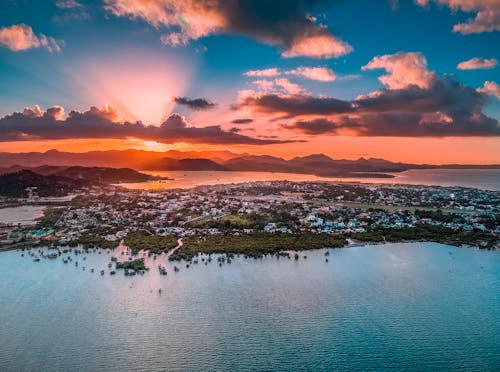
[141, 85]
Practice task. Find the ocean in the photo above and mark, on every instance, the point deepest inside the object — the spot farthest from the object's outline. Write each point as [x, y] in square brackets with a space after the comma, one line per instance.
[487, 179]
[403, 306]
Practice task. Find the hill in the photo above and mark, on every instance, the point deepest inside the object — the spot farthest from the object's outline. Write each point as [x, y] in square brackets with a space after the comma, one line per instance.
[14, 184]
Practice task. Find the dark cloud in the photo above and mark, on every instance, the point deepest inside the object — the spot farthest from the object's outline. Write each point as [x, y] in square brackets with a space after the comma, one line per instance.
[397, 125]
[242, 121]
[195, 103]
[287, 24]
[33, 124]
[295, 105]
[446, 108]
[313, 127]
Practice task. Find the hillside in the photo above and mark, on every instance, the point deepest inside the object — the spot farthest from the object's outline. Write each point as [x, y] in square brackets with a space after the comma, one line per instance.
[14, 184]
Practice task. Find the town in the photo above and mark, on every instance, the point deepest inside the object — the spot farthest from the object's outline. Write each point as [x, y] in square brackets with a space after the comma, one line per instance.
[257, 218]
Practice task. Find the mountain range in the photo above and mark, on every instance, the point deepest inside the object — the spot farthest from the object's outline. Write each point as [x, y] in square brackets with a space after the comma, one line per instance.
[317, 164]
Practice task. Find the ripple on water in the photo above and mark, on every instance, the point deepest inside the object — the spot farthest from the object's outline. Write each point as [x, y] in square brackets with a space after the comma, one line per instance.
[403, 306]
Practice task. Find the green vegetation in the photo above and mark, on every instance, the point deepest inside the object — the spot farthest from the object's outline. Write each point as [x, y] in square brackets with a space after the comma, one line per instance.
[430, 233]
[439, 216]
[255, 245]
[49, 218]
[368, 236]
[135, 265]
[280, 216]
[143, 240]
[89, 240]
[227, 222]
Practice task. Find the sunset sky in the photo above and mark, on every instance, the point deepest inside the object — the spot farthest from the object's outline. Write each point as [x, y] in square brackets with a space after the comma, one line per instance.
[414, 81]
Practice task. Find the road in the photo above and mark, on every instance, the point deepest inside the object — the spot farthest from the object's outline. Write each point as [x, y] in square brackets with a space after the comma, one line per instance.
[173, 250]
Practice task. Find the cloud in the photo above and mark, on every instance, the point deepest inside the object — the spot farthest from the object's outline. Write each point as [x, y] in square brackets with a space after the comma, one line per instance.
[477, 63]
[398, 125]
[36, 124]
[313, 127]
[491, 88]
[288, 86]
[286, 24]
[21, 37]
[68, 4]
[487, 18]
[174, 39]
[268, 72]
[195, 103]
[321, 45]
[294, 105]
[242, 121]
[415, 103]
[279, 85]
[404, 70]
[322, 74]
[313, 73]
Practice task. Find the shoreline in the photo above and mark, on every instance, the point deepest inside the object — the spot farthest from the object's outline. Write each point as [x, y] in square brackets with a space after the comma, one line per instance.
[167, 253]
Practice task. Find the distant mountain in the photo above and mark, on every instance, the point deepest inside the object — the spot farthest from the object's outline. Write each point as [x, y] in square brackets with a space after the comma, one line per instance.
[14, 184]
[262, 163]
[318, 164]
[104, 175]
[184, 164]
[135, 159]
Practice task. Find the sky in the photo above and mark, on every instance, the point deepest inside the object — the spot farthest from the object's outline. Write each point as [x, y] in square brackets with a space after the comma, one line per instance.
[408, 80]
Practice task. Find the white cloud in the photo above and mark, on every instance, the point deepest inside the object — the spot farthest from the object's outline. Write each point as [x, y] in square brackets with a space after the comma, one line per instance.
[404, 70]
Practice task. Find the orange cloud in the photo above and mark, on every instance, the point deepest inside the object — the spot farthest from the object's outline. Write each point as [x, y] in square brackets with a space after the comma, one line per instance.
[318, 46]
[268, 72]
[491, 88]
[21, 37]
[313, 73]
[487, 17]
[477, 63]
[286, 24]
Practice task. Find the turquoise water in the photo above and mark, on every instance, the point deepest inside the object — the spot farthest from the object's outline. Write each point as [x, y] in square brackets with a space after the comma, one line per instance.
[404, 306]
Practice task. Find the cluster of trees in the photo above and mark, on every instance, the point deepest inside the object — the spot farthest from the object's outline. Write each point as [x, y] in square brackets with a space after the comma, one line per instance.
[135, 265]
[49, 218]
[93, 240]
[144, 240]
[439, 216]
[255, 245]
[430, 233]
[280, 215]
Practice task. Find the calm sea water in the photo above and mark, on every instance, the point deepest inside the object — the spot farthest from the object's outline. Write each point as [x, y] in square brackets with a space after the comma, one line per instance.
[402, 306]
[488, 179]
